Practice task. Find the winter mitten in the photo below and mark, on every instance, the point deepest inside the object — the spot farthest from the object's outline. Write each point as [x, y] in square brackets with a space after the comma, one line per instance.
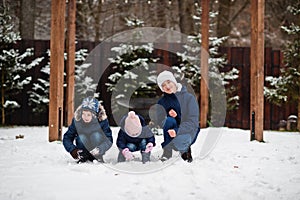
[127, 154]
[149, 147]
[172, 133]
[75, 153]
[102, 114]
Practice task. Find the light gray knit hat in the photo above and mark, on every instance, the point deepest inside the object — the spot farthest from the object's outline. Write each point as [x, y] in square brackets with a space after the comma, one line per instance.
[164, 76]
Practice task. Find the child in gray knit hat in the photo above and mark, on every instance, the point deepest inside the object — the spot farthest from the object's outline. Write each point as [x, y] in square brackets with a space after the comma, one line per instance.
[178, 115]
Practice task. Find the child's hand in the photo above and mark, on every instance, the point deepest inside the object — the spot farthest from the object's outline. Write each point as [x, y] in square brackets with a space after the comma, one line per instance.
[127, 154]
[95, 151]
[172, 133]
[172, 113]
[76, 153]
[102, 114]
[149, 147]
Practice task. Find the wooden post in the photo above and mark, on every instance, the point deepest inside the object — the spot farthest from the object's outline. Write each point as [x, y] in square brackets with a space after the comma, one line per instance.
[204, 63]
[70, 65]
[56, 69]
[257, 68]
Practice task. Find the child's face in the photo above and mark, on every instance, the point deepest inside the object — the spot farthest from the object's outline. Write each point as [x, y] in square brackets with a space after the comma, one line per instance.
[87, 116]
[169, 87]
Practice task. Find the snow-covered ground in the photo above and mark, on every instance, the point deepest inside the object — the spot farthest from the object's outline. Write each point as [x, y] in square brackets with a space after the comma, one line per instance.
[33, 168]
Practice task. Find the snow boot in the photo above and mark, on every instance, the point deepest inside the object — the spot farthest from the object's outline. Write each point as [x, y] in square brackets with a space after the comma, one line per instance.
[167, 154]
[145, 157]
[97, 154]
[85, 156]
[187, 156]
[121, 158]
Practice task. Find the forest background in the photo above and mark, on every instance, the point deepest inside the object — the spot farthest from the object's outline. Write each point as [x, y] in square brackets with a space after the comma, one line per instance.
[98, 20]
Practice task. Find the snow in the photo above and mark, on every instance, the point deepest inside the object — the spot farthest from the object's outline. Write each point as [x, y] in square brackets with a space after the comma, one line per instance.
[33, 168]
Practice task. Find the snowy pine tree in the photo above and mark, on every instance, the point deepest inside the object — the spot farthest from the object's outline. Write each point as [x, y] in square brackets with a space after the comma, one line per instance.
[39, 94]
[132, 56]
[12, 65]
[138, 56]
[190, 62]
[286, 87]
[83, 84]
[133, 76]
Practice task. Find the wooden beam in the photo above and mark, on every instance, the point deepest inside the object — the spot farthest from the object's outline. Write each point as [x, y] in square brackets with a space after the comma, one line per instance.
[257, 70]
[204, 63]
[70, 65]
[56, 69]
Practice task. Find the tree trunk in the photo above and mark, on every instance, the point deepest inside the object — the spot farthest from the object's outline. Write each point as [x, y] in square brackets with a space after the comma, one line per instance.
[27, 19]
[98, 22]
[160, 15]
[223, 26]
[186, 12]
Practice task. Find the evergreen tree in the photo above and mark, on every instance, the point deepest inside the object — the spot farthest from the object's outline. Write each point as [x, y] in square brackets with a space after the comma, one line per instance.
[138, 56]
[39, 94]
[133, 76]
[13, 65]
[286, 87]
[189, 64]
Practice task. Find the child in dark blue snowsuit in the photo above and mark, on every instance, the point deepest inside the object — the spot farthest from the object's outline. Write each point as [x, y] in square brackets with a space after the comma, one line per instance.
[133, 136]
[91, 132]
[171, 105]
[180, 122]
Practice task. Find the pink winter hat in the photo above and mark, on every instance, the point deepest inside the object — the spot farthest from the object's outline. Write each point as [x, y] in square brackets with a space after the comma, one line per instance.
[133, 125]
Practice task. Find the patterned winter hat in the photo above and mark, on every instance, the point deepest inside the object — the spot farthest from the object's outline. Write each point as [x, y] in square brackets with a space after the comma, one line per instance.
[133, 126]
[164, 76]
[91, 104]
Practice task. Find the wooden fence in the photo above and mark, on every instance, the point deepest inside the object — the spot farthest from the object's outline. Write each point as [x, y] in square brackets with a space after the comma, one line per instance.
[238, 57]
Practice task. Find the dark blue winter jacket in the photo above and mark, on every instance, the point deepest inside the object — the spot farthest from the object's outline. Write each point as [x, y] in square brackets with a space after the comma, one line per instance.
[188, 130]
[72, 132]
[169, 102]
[124, 138]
